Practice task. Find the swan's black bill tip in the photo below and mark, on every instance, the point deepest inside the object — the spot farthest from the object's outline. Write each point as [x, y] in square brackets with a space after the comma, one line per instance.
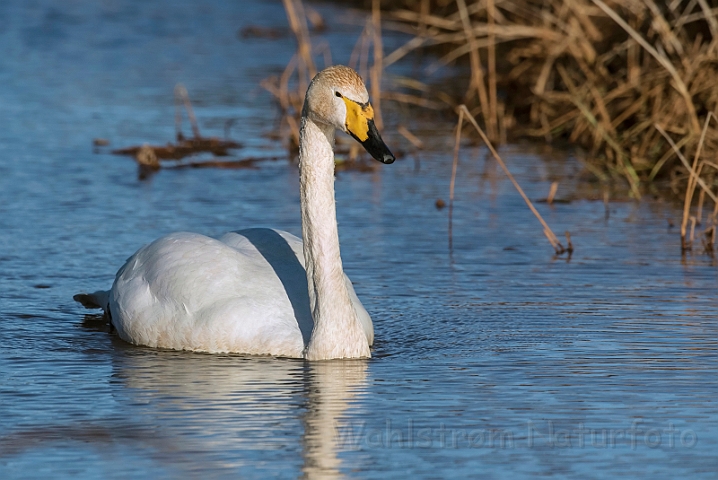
[388, 159]
[376, 146]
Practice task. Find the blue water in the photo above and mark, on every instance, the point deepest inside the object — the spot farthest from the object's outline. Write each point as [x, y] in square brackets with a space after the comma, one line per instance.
[493, 358]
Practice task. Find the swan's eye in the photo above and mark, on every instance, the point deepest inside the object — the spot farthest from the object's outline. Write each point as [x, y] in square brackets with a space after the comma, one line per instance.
[338, 94]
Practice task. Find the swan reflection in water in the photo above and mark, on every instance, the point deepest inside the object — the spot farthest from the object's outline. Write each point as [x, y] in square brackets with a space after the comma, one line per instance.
[195, 414]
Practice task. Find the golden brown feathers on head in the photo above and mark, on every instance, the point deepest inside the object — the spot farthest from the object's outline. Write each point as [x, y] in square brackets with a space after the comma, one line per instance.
[338, 98]
[346, 81]
[323, 102]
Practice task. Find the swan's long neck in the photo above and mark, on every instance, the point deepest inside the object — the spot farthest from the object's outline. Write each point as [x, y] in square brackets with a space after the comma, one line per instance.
[337, 331]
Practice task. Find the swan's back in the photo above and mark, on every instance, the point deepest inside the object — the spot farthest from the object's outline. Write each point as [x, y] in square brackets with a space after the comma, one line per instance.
[245, 292]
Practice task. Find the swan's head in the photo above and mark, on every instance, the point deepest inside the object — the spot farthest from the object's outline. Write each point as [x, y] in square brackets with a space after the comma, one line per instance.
[337, 97]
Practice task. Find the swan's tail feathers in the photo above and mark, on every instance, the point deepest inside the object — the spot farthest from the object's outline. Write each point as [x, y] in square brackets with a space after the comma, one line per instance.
[93, 300]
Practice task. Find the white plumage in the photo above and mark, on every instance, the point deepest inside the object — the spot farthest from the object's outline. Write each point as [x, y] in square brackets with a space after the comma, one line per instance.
[245, 292]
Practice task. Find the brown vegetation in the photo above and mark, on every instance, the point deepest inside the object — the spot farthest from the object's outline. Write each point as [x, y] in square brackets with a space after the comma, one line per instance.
[464, 113]
[630, 81]
[600, 74]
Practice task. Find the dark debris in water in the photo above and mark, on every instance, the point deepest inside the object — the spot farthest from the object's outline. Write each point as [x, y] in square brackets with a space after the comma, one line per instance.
[24, 316]
[249, 162]
[149, 158]
[255, 31]
[177, 151]
[555, 200]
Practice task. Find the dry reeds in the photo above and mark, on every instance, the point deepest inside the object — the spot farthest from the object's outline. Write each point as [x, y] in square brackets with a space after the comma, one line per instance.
[599, 73]
[695, 170]
[630, 81]
[464, 113]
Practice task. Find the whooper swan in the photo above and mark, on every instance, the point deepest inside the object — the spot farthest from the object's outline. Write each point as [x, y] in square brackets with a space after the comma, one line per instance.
[259, 291]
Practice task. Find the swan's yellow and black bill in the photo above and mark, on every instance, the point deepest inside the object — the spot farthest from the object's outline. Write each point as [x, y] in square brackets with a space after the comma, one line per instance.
[360, 125]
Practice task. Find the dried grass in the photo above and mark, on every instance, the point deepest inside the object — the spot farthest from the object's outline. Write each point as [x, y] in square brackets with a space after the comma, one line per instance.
[630, 81]
[553, 240]
[464, 113]
[597, 73]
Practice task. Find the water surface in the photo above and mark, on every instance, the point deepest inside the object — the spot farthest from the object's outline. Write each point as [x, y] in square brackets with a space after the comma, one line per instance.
[494, 358]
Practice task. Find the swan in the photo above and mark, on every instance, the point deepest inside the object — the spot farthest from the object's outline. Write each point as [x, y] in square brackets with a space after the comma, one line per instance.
[259, 291]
